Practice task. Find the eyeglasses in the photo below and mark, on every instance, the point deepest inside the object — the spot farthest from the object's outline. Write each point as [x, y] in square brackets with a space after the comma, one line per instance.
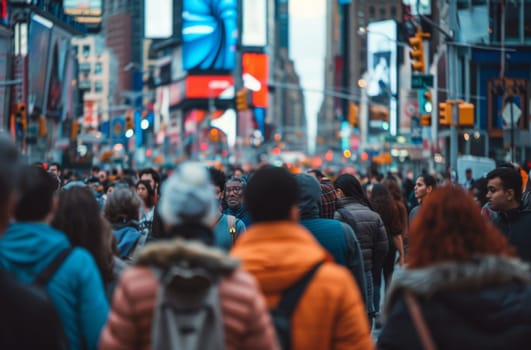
[235, 189]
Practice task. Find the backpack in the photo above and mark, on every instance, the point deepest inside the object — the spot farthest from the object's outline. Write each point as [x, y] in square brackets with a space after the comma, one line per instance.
[187, 310]
[281, 314]
[41, 281]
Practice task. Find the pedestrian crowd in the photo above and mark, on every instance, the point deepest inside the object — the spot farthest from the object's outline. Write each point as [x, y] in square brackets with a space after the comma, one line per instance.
[198, 258]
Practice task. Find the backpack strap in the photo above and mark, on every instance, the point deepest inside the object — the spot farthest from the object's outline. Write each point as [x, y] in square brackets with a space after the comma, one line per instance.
[45, 276]
[290, 298]
[232, 227]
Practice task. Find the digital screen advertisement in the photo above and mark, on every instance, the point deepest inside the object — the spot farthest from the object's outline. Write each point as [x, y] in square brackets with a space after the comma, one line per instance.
[209, 31]
[39, 44]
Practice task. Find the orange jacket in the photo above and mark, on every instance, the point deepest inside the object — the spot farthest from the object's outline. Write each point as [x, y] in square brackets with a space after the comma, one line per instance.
[331, 313]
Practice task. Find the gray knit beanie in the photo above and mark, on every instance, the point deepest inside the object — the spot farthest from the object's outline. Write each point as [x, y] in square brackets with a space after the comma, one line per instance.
[188, 196]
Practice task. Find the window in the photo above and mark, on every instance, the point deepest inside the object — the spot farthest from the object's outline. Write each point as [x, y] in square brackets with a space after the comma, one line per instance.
[98, 68]
[393, 11]
[98, 86]
[86, 50]
[527, 22]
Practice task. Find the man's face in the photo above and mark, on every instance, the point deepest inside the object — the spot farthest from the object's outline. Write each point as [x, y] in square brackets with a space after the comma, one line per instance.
[53, 170]
[421, 190]
[499, 198]
[102, 176]
[149, 177]
[234, 194]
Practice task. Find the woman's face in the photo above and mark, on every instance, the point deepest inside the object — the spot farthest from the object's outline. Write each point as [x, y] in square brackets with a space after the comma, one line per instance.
[421, 190]
[142, 191]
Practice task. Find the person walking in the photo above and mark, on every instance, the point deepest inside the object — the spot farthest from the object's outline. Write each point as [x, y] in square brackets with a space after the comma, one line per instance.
[187, 207]
[354, 208]
[463, 287]
[122, 210]
[504, 195]
[335, 236]
[279, 252]
[30, 245]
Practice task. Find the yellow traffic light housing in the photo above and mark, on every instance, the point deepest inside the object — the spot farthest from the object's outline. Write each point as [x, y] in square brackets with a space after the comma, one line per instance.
[22, 115]
[417, 51]
[466, 114]
[43, 131]
[129, 122]
[445, 113]
[75, 130]
[241, 100]
[353, 114]
[425, 120]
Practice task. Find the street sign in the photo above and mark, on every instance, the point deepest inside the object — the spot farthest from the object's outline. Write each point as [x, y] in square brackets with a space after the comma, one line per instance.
[421, 81]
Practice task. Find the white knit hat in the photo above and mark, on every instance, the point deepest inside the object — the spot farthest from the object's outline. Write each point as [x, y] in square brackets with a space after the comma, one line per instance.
[188, 196]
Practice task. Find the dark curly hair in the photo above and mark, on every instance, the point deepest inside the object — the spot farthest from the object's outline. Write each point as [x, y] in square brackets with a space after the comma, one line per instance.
[78, 215]
[449, 227]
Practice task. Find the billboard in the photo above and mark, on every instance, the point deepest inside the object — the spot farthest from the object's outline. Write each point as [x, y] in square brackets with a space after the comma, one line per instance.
[255, 66]
[210, 32]
[254, 19]
[382, 67]
[83, 8]
[158, 19]
[58, 64]
[39, 37]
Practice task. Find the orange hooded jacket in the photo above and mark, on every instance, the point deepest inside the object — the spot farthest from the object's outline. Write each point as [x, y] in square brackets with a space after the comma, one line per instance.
[331, 313]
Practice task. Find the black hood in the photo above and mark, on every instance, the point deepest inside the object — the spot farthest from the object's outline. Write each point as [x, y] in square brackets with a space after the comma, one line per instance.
[309, 196]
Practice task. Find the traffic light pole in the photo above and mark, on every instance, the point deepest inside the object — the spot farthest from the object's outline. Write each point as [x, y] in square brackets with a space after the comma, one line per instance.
[452, 72]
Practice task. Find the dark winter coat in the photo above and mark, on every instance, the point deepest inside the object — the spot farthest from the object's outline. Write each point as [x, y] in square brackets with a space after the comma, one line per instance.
[516, 225]
[481, 304]
[368, 227]
[335, 236]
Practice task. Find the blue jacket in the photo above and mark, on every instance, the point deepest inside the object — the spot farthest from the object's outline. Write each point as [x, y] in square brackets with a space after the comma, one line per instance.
[76, 289]
[127, 238]
[241, 213]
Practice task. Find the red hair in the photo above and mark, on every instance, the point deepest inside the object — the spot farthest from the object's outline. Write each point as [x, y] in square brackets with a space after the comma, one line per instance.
[449, 227]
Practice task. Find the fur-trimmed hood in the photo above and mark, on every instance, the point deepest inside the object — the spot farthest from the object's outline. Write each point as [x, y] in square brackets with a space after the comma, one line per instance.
[165, 253]
[479, 273]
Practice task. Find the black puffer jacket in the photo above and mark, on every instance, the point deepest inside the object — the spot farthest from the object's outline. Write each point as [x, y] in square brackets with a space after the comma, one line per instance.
[368, 227]
[481, 304]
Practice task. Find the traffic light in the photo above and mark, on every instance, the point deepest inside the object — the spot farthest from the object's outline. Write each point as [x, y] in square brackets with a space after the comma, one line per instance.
[241, 100]
[42, 126]
[129, 122]
[75, 130]
[21, 116]
[466, 114]
[353, 114]
[425, 104]
[445, 113]
[417, 51]
[425, 120]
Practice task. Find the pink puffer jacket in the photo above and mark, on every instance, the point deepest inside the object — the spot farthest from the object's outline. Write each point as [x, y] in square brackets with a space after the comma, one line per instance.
[247, 323]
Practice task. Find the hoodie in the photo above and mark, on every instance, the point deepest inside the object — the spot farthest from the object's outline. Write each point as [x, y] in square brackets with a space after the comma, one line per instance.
[335, 236]
[76, 289]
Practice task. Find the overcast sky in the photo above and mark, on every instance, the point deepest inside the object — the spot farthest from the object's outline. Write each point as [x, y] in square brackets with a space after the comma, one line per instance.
[307, 46]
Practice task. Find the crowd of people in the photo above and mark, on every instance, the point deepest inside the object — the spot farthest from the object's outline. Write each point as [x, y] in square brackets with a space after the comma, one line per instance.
[298, 261]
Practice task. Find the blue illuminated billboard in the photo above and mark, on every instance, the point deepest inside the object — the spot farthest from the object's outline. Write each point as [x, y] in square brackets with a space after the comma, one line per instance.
[210, 29]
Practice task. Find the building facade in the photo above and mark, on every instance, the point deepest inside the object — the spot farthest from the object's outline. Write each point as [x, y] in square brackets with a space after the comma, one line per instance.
[98, 68]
